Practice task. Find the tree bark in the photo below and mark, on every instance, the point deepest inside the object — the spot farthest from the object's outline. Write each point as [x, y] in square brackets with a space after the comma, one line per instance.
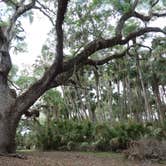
[8, 121]
[8, 117]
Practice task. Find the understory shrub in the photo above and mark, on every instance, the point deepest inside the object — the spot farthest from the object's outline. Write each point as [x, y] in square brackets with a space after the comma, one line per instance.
[122, 133]
[146, 149]
[66, 134]
[102, 136]
[87, 136]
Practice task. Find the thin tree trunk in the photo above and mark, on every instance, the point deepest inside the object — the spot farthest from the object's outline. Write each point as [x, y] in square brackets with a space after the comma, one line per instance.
[91, 109]
[124, 99]
[147, 105]
[163, 97]
[82, 105]
[102, 111]
[110, 100]
[155, 88]
[67, 102]
[129, 95]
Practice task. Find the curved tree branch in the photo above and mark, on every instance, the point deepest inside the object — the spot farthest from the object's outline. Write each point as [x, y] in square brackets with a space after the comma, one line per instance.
[100, 44]
[46, 11]
[62, 7]
[148, 18]
[154, 3]
[107, 59]
[38, 88]
[96, 45]
[141, 32]
[121, 23]
[20, 9]
[46, 14]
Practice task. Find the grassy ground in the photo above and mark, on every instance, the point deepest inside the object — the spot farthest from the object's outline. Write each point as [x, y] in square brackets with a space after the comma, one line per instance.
[73, 159]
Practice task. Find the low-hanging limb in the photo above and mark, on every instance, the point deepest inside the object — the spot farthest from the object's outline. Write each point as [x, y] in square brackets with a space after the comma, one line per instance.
[38, 88]
[114, 56]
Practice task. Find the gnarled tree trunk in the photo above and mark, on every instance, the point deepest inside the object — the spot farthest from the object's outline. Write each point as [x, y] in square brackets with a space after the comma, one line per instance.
[8, 118]
[11, 106]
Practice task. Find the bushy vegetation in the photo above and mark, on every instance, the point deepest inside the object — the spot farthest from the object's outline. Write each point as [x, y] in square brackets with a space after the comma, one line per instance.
[147, 149]
[87, 136]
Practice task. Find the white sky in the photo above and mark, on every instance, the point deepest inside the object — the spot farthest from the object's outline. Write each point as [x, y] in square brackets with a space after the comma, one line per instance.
[36, 34]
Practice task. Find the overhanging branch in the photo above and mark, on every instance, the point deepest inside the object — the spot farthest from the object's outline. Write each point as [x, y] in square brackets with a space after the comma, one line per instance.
[107, 59]
[38, 88]
[20, 9]
[100, 44]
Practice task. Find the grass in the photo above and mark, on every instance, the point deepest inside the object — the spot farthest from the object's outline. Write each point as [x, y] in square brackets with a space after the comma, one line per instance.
[55, 158]
[96, 154]
[104, 154]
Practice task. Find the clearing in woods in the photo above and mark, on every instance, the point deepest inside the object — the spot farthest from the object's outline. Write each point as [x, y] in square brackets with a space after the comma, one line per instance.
[73, 159]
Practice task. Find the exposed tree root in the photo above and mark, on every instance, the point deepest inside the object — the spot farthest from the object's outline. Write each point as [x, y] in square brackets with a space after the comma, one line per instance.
[15, 155]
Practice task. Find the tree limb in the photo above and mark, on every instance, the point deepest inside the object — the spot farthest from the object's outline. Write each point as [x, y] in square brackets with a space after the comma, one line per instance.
[62, 7]
[135, 3]
[135, 14]
[121, 23]
[100, 44]
[148, 18]
[45, 13]
[115, 56]
[154, 3]
[141, 32]
[96, 45]
[20, 10]
[38, 88]
[105, 60]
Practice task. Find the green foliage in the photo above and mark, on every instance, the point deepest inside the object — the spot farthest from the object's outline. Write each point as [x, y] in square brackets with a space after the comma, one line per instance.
[3, 24]
[102, 136]
[86, 136]
[47, 138]
[155, 132]
[122, 6]
[130, 26]
[63, 133]
[102, 131]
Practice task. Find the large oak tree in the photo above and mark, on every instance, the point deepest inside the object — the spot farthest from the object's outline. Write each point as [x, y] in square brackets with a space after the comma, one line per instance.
[12, 107]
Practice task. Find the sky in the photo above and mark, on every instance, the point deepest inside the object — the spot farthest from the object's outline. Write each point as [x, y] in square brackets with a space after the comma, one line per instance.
[36, 34]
